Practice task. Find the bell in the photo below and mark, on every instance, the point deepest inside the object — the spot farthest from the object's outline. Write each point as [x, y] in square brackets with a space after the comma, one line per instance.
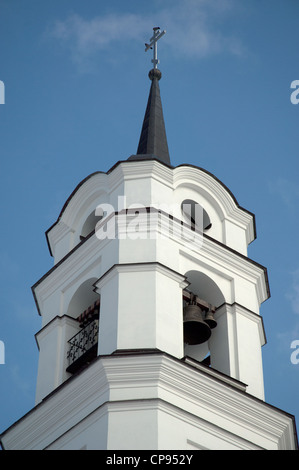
[209, 319]
[196, 331]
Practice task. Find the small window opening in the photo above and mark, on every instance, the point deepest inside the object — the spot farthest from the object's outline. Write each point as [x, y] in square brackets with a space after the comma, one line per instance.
[196, 214]
[89, 225]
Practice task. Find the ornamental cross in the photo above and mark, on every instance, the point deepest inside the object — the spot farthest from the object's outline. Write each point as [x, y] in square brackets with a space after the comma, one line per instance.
[153, 42]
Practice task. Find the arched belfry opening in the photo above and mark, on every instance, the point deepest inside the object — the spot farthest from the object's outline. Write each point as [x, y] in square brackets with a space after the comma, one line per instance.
[205, 287]
[85, 308]
[198, 315]
[83, 298]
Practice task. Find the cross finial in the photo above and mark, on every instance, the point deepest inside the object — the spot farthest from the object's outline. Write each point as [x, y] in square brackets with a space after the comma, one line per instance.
[153, 44]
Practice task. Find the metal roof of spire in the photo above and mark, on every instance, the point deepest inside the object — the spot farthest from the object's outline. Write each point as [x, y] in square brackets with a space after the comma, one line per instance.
[153, 141]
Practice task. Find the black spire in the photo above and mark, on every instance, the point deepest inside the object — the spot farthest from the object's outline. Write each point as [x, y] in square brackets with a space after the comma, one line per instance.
[153, 141]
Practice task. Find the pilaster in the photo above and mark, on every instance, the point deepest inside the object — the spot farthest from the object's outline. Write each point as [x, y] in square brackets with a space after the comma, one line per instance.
[141, 307]
[236, 344]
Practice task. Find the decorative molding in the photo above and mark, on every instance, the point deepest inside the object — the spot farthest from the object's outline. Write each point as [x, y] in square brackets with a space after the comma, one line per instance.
[240, 309]
[214, 252]
[216, 374]
[64, 319]
[130, 380]
[140, 267]
[68, 269]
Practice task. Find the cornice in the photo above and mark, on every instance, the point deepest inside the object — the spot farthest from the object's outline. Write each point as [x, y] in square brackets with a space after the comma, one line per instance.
[212, 250]
[244, 311]
[229, 263]
[132, 379]
[52, 325]
[156, 405]
[141, 267]
[68, 268]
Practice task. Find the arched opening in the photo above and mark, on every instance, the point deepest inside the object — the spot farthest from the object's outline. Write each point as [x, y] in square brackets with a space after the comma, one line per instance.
[85, 307]
[196, 214]
[83, 298]
[89, 225]
[204, 288]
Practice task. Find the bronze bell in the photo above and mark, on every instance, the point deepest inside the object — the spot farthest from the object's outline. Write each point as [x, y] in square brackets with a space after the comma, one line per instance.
[210, 320]
[196, 330]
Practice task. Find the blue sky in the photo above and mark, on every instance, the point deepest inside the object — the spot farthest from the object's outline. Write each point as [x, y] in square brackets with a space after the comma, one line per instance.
[76, 86]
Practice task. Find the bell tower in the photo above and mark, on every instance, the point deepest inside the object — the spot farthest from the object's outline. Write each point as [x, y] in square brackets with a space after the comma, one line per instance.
[151, 332]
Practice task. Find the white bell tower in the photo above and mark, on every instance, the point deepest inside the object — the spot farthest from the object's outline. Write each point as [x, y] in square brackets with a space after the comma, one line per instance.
[151, 331]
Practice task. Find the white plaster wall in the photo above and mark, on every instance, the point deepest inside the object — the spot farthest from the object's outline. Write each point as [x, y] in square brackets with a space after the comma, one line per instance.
[234, 236]
[184, 431]
[141, 307]
[52, 343]
[146, 427]
[90, 434]
[132, 427]
[249, 343]
[235, 347]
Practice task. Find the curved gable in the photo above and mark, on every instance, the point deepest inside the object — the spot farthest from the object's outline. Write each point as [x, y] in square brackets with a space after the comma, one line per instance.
[75, 215]
[230, 223]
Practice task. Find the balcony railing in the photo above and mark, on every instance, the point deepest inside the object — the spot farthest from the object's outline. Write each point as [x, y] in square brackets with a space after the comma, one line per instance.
[83, 346]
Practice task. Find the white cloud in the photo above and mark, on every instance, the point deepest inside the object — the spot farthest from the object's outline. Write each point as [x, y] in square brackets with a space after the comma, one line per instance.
[98, 32]
[287, 190]
[192, 28]
[189, 23]
[285, 337]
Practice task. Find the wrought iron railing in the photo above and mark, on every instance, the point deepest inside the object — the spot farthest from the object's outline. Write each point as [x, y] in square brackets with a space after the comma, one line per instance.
[83, 346]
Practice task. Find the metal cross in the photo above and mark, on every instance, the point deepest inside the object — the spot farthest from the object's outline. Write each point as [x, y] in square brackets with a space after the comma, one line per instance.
[153, 42]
